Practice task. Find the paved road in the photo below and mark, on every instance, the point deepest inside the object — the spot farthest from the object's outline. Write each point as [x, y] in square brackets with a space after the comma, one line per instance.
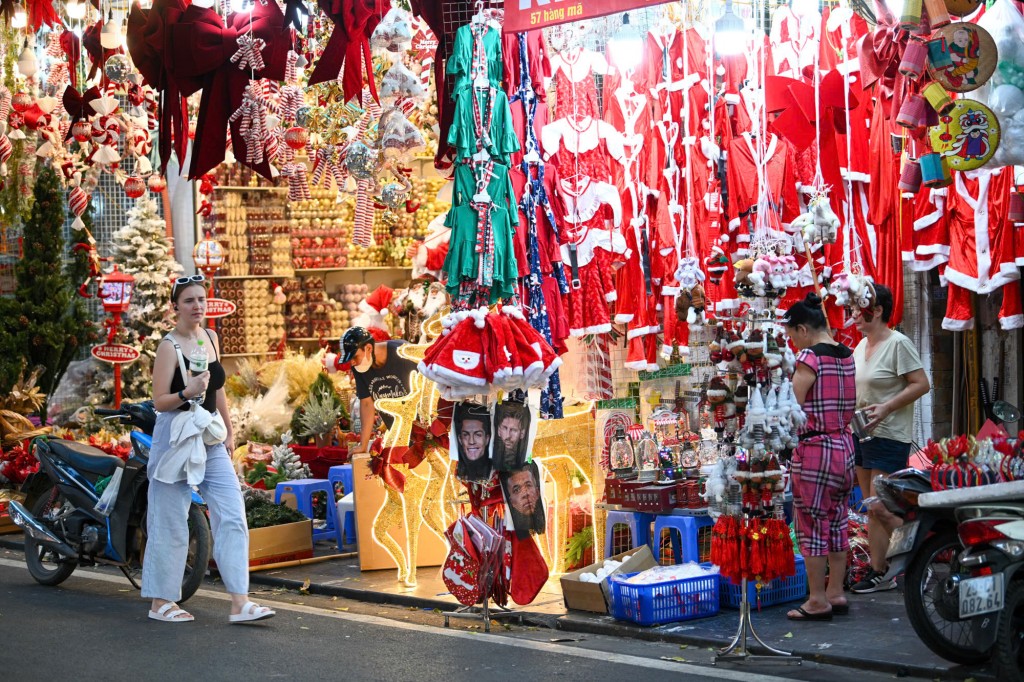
[94, 627]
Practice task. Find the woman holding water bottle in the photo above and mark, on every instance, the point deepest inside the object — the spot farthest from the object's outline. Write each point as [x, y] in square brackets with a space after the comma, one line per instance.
[169, 500]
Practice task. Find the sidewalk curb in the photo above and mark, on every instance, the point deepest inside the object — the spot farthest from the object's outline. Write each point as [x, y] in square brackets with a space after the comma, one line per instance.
[586, 626]
[570, 623]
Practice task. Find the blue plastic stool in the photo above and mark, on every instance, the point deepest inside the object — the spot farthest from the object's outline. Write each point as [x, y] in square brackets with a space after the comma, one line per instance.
[639, 528]
[302, 491]
[684, 547]
[343, 474]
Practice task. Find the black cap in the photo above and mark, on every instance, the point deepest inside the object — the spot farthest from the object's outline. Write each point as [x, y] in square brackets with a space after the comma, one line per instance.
[354, 339]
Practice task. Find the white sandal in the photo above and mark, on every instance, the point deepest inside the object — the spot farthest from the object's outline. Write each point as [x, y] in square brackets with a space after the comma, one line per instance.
[252, 611]
[165, 614]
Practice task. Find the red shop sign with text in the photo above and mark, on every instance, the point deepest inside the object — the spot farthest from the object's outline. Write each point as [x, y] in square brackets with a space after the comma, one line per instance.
[219, 307]
[526, 15]
[115, 353]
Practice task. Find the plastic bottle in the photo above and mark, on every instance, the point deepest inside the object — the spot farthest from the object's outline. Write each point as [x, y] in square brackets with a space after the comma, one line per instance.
[198, 362]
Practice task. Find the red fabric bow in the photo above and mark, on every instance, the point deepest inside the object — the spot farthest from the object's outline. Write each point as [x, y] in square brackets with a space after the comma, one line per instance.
[880, 53]
[147, 36]
[77, 104]
[383, 465]
[200, 58]
[72, 48]
[422, 438]
[354, 23]
[41, 13]
[97, 53]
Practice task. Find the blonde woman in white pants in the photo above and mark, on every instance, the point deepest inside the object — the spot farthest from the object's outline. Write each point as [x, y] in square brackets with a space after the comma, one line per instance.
[169, 499]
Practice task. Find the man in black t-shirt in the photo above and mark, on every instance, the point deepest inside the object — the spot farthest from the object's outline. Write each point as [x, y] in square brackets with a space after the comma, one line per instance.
[380, 372]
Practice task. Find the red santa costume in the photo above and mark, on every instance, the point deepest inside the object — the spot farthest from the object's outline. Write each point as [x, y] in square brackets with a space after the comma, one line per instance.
[575, 91]
[794, 40]
[983, 256]
[745, 164]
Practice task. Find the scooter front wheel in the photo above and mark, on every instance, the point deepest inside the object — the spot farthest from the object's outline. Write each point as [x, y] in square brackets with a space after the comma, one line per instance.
[1009, 650]
[46, 566]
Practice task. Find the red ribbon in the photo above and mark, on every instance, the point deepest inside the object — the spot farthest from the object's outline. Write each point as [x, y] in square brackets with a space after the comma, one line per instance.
[147, 42]
[383, 465]
[880, 53]
[201, 47]
[77, 104]
[72, 48]
[97, 53]
[349, 44]
[40, 13]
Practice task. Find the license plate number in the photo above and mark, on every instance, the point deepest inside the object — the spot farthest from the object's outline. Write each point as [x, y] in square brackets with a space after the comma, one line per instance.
[902, 539]
[981, 595]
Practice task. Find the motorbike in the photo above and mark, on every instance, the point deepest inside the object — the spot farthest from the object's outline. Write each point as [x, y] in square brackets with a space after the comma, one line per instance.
[991, 591]
[71, 524]
[926, 550]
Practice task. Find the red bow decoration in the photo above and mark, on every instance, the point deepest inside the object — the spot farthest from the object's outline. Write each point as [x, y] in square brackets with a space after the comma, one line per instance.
[41, 13]
[880, 53]
[201, 58]
[794, 100]
[97, 53]
[383, 465]
[77, 104]
[72, 48]
[423, 438]
[349, 45]
[147, 42]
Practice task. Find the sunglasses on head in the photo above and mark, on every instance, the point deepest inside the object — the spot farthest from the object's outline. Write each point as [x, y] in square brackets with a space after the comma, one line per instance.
[194, 279]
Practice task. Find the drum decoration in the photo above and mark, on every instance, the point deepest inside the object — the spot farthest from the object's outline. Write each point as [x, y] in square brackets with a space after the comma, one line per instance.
[962, 8]
[967, 137]
[961, 57]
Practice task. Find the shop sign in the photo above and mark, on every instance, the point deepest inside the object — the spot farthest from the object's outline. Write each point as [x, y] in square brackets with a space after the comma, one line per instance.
[527, 15]
[219, 307]
[115, 353]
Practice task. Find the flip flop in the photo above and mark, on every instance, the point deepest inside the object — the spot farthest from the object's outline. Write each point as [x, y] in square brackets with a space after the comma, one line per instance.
[840, 609]
[165, 614]
[252, 611]
[804, 615]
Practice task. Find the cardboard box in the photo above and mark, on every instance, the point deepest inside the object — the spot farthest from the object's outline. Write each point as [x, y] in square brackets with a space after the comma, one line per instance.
[596, 596]
[287, 542]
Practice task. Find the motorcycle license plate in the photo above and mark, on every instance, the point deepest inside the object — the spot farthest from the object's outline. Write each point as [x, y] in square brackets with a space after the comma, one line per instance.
[902, 539]
[981, 595]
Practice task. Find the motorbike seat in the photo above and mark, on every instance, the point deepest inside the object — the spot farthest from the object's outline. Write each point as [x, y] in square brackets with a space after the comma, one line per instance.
[85, 457]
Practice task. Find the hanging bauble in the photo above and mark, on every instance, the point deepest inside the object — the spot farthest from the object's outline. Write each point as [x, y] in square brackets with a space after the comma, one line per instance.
[81, 131]
[362, 161]
[208, 255]
[21, 102]
[134, 186]
[393, 195]
[389, 219]
[302, 115]
[27, 64]
[117, 68]
[156, 183]
[296, 137]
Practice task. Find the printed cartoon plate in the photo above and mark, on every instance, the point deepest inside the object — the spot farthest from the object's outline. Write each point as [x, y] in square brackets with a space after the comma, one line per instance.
[967, 136]
[962, 8]
[961, 56]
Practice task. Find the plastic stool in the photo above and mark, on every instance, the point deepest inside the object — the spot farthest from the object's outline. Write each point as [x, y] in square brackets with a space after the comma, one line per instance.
[639, 528]
[347, 511]
[341, 473]
[302, 491]
[685, 547]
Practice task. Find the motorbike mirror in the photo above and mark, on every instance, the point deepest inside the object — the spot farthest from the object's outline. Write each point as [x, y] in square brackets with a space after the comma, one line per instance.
[1005, 412]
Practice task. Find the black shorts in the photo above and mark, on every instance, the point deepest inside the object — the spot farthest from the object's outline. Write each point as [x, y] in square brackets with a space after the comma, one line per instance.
[883, 454]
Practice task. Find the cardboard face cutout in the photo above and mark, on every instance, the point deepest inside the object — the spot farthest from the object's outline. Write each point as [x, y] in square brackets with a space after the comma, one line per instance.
[524, 499]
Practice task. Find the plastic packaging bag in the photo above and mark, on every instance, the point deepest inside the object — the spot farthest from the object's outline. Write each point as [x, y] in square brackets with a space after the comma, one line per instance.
[1004, 93]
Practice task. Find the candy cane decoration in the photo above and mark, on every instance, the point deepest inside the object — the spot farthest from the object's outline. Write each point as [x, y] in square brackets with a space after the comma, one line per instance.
[6, 149]
[298, 185]
[248, 55]
[253, 129]
[326, 167]
[362, 229]
[5, 107]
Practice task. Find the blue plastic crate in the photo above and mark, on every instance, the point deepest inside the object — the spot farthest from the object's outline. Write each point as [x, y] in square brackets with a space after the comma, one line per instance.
[778, 591]
[666, 602]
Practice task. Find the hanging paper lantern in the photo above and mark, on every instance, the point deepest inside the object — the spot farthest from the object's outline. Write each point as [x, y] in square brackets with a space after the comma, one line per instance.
[362, 162]
[81, 131]
[157, 184]
[296, 137]
[21, 102]
[117, 68]
[134, 187]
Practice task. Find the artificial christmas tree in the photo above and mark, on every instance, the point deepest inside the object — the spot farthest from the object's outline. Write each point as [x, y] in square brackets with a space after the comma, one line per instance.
[43, 323]
[142, 249]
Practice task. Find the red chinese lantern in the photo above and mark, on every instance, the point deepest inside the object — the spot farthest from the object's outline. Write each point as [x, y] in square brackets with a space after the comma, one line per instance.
[296, 137]
[157, 183]
[81, 131]
[134, 187]
[21, 102]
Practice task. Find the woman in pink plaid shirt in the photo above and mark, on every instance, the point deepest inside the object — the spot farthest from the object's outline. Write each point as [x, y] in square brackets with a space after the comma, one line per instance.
[822, 470]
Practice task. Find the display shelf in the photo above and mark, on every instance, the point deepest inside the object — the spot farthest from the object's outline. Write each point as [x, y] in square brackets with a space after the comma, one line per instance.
[245, 355]
[217, 278]
[307, 339]
[315, 271]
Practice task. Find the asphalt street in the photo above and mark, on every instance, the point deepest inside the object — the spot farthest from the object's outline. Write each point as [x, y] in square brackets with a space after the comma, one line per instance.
[94, 627]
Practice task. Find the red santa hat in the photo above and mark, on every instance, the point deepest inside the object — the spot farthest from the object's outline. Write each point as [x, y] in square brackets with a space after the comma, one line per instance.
[374, 308]
[456, 361]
